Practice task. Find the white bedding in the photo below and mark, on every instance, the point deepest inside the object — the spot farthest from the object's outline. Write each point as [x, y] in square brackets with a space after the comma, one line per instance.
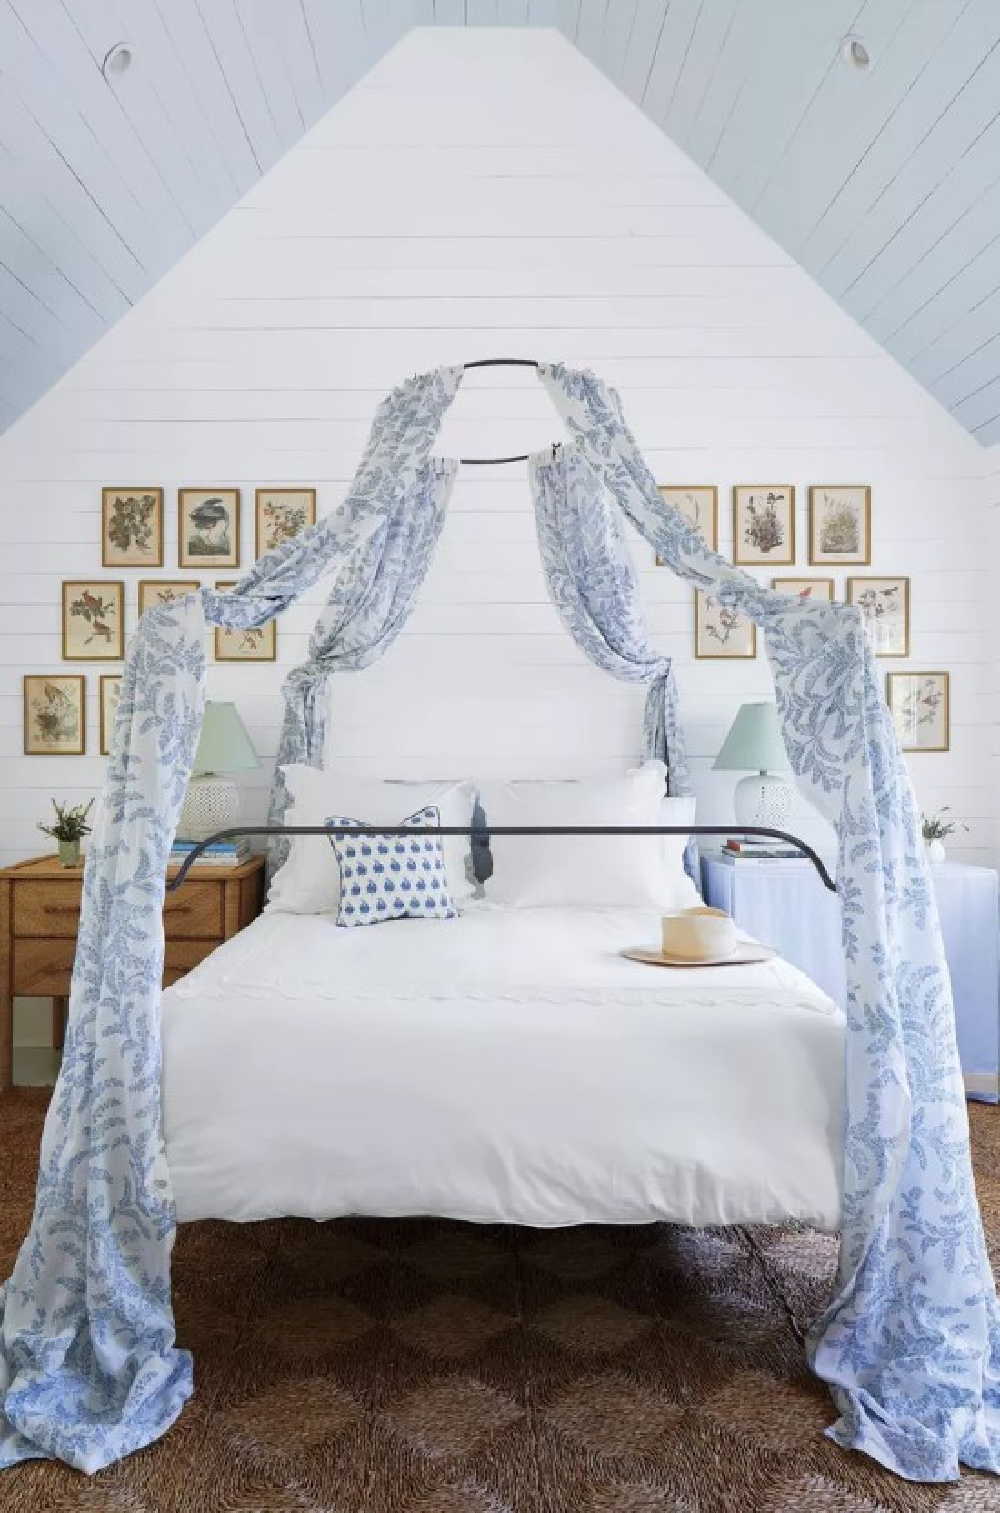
[506, 1066]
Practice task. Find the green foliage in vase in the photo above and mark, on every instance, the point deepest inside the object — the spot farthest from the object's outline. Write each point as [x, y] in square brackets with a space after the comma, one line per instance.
[935, 827]
[70, 823]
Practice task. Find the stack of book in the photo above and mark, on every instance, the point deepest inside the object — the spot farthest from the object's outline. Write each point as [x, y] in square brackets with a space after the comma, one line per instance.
[762, 848]
[219, 854]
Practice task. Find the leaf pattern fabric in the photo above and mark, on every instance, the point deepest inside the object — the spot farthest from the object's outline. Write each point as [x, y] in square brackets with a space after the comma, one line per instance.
[88, 1366]
[593, 584]
[909, 1342]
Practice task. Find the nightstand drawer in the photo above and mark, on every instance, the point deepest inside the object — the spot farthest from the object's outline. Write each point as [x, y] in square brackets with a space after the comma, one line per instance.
[48, 908]
[195, 912]
[43, 968]
[182, 955]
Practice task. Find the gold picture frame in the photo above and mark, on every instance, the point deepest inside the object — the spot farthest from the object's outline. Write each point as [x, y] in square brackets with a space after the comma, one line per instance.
[55, 714]
[884, 602]
[154, 592]
[208, 527]
[107, 708]
[820, 589]
[132, 526]
[840, 525]
[93, 620]
[281, 514]
[732, 636]
[699, 504]
[920, 705]
[256, 644]
[764, 524]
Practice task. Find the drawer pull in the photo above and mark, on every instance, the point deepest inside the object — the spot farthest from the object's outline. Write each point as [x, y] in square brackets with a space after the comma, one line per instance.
[62, 908]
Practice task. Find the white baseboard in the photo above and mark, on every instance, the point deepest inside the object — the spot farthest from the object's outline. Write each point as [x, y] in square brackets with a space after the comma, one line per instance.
[982, 1084]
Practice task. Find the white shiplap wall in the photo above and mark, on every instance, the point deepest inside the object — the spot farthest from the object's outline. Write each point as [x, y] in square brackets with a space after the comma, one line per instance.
[479, 194]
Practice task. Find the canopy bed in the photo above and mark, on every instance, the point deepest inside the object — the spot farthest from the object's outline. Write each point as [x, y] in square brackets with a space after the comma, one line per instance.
[908, 1343]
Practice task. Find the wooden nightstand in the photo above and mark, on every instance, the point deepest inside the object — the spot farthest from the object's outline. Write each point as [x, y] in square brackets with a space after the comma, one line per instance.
[40, 910]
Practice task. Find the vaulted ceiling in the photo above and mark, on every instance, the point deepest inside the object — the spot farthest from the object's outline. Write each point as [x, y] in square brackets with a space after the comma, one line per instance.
[883, 181]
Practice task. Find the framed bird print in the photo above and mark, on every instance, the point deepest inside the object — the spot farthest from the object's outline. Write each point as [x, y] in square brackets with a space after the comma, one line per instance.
[257, 643]
[885, 605]
[840, 525]
[154, 592]
[721, 631]
[93, 621]
[920, 705]
[816, 589]
[764, 524]
[54, 722]
[132, 527]
[283, 514]
[208, 528]
[111, 687]
[699, 504]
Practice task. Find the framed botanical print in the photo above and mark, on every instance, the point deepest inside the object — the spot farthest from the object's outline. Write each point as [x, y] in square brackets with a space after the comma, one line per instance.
[720, 631]
[132, 527]
[93, 621]
[763, 523]
[282, 514]
[156, 591]
[54, 715]
[885, 605]
[208, 528]
[805, 588]
[257, 643]
[919, 703]
[699, 504]
[840, 525]
[111, 687]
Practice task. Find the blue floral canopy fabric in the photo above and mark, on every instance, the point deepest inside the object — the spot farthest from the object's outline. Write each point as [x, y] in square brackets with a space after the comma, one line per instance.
[89, 1370]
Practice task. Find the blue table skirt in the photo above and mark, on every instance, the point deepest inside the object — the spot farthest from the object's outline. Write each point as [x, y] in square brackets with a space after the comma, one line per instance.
[785, 905]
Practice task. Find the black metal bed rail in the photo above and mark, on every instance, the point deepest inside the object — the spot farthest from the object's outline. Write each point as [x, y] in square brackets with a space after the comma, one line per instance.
[483, 832]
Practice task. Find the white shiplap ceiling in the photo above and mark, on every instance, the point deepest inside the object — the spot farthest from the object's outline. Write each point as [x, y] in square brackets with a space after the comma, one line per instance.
[883, 183]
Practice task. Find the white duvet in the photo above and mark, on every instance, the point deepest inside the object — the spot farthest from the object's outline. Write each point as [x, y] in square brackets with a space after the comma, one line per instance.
[510, 1066]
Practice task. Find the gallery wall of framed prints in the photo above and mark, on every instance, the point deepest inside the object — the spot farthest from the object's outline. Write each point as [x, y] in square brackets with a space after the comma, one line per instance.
[838, 534]
[98, 613]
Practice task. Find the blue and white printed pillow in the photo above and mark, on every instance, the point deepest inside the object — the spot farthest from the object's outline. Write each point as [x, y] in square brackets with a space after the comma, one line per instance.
[392, 876]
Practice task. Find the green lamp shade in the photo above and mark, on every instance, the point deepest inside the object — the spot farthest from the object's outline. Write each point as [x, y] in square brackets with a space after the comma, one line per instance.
[224, 745]
[754, 742]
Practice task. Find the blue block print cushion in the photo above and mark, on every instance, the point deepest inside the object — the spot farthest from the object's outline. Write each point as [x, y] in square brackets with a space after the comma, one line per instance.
[392, 876]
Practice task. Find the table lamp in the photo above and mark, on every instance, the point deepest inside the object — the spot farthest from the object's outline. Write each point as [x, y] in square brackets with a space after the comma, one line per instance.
[212, 799]
[754, 744]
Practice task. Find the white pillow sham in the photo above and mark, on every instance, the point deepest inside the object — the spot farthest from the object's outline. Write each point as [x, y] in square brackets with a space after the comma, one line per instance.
[622, 871]
[309, 880]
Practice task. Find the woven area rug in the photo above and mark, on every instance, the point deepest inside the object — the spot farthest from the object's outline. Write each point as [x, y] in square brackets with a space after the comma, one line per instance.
[427, 1367]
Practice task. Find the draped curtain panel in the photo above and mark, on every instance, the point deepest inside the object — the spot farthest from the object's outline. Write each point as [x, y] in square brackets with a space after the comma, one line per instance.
[88, 1366]
[593, 584]
[909, 1342]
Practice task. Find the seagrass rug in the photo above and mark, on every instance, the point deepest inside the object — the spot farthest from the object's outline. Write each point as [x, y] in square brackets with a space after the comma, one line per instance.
[427, 1367]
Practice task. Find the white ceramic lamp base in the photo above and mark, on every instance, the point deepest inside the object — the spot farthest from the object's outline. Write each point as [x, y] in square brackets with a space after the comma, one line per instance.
[763, 799]
[211, 803]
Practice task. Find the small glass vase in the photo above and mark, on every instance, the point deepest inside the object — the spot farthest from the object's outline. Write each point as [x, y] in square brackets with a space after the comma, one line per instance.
[69, 853]
[935, 852]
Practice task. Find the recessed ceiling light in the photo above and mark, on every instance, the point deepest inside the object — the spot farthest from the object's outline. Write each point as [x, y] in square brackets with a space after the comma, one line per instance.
[854, 52]
[117, 61]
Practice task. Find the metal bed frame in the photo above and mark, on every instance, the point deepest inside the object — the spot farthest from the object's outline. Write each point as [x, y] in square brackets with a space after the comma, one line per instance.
[483, 832]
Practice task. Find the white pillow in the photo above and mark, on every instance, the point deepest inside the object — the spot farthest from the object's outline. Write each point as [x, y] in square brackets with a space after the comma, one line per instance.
[309, 880]
[623, 871]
